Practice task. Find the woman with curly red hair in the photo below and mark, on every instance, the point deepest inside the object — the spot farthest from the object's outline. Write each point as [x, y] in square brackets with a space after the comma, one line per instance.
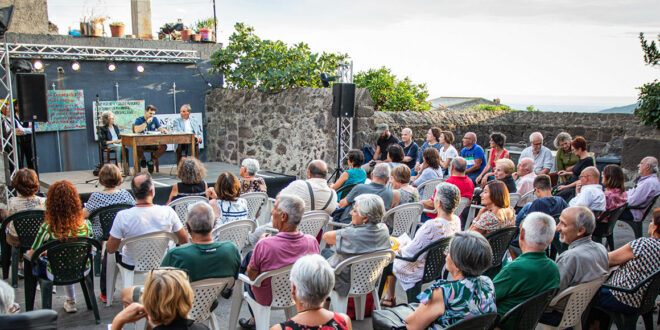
[64, 218]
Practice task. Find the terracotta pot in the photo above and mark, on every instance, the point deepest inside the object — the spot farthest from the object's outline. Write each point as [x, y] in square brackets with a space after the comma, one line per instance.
[185, 34]
[84, 28]
[97, 30]
[117, 31]
[197, 37]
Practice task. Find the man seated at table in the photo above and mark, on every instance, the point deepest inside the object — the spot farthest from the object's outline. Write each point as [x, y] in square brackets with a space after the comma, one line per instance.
[187, 124]
[149, 123]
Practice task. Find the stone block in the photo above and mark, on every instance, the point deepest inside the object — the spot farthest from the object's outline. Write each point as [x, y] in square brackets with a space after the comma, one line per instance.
[635, 149]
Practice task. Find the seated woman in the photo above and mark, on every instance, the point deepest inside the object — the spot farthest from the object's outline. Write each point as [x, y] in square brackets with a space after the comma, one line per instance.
[447, 151]
[567, 189]
[225, 201]
[395, 156]
[110, 179]
[109, 134]
[445, 224]
[497, 214]
[191, 172]
[565, 159]
[64, 218]
[468, 294]
[26, 183]
[497, 152]
[312, 280]
[365, 234]
[166, 302]
[355, 175]
[615, 196]
[430, 168]
[250, 183]
[404, 193]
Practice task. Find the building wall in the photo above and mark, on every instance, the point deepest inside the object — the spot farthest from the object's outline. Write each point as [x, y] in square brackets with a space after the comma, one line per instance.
[30, 16]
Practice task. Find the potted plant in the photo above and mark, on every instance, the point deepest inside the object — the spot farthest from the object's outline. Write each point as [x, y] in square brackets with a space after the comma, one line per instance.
[117, 29]
[97, 25]
[186, 33]
[206, 27]
[196, 36]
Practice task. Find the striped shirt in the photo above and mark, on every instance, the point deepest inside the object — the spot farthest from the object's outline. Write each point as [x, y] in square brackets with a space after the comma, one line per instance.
[645, 263]
[44, 235]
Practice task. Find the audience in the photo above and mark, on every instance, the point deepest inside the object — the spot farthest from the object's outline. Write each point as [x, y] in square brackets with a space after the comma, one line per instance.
[566, 190]
[404, 193]
[589, 191]
[144, 218]
[497, 152]
[191, 172]
[314, 191]
[447, 152]
[430, 169]
[542, 156]
[249, 182]
[166, 302]
[526, 176]
[312, 281]
[432, 141]
[354, 175]
[385, 139]
[64, 218]
[615, 196]
[26, 183]
[395, 155]
[468, 294]
[564, 159]
[474, 155]
[410, 148]
[378, 186]
[645, 189]
[497, 213]
[532, 272]
[457, 178]
[7, 304]
[225, 200]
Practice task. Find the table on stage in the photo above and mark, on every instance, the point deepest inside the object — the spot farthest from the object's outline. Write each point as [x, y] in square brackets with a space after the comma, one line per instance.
[134, 140]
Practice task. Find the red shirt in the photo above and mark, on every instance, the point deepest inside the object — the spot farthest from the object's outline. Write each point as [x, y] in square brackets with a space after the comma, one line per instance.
[463, 183]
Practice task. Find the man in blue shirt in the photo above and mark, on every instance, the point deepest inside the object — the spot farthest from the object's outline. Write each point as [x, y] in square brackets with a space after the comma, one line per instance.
[474, 156]
[149, 123]
[409, 147]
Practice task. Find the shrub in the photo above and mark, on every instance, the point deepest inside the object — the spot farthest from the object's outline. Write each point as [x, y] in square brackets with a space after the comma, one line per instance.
[391, 94]
[648, 108]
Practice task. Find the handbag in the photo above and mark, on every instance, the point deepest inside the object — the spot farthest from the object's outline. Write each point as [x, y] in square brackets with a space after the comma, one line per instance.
[39, 268]
[392, 318]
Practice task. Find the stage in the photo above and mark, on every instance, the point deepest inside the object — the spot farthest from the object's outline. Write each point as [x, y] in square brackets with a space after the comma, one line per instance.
[163, 180]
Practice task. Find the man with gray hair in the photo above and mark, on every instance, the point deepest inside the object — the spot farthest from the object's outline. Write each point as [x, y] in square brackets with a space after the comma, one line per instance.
[542, 156]
[410, 148]
[314, 191]
[457, 178]
[589, 191]
[645, 189]
[187, 124]
[378, 186]
[532, 272]
[525, 176]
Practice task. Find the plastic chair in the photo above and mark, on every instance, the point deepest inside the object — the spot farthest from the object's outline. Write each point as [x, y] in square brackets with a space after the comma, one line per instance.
[404, 219]
[27, 224]
[312, 222]
[471, 214]
[651, 285]
[366, 270]
[499, 241]
[345, 190]
[614, 216]
[528, 197]
[44, 319]
[579, 297]
[68, 264]
[235, 231]
[462, 204]
[433, 258]
[148, 251]
[637, 225]
[180, 205]
[513, 199]
[206, 292]
[526, 315]
[106, 217]
[281, 292]
[255, 201]
[426, 193]
[481, 322]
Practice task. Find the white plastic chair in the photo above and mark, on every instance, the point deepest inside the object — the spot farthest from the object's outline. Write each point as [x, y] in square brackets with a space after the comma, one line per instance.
[256, 202]
[206, 292]
[148, 251]
[579, 297]
[312, 222]
[471, 214]
[180, 205]
[404, 218]
[462, 204]
[528, 197]
[366, 271]
[513, 199]
[429, 187]
[281, 292]
[235, 231]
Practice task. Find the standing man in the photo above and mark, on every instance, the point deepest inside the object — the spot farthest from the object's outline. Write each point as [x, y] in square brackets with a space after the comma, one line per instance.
[409, 148]
[385, 139]
[187, 124]
[149, 123]
[473, 155]
[542, 156]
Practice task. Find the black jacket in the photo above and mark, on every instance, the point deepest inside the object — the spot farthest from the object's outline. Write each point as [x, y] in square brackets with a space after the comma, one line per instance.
[105, 136]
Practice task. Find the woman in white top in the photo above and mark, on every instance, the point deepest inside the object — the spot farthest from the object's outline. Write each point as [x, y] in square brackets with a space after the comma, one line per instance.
[447, 152]
[430, 169]
[225, 201]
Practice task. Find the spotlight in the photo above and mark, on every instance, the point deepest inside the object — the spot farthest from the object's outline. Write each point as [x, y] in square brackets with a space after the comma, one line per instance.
[112, 67]
[75, 66]
[38, 65]
[140, 68]
[326, 79]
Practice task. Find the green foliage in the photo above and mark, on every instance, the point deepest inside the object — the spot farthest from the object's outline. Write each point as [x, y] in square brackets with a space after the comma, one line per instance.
[391, 94]
[531, 108]
[651, 53]
[491, 107]
[648, 109]
[251, 62]
[205, 24]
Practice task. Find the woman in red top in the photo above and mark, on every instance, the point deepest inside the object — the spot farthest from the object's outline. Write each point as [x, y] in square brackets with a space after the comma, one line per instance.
[497, 151]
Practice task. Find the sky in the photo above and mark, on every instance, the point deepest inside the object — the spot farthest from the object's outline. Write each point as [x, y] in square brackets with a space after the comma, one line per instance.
[521, 51]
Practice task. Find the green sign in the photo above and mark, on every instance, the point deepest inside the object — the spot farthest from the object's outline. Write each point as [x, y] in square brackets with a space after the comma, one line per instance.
[66, 111]
[125, 113]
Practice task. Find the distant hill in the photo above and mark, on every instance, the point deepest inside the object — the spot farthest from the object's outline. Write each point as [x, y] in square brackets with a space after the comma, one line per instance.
[622, 109]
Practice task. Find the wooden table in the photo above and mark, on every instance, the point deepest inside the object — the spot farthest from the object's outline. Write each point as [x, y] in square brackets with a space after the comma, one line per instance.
[134, 140]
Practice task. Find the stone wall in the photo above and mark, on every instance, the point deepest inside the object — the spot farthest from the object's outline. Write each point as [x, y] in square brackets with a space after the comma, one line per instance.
[30, 16]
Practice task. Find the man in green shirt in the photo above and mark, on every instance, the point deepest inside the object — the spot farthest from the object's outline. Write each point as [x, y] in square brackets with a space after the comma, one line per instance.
[532, 272]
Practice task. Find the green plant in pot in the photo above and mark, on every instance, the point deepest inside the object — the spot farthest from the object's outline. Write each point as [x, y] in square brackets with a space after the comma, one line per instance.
[117, 29]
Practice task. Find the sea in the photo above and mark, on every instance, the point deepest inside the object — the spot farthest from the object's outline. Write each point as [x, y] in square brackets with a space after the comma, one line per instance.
[571, 103]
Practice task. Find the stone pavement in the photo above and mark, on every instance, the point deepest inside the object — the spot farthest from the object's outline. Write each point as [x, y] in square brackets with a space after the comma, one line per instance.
[84, 319]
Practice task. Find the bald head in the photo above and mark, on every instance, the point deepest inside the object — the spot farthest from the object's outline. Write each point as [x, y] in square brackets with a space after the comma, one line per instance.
[469, 139]
[590, 175]
[142, 186]
[525, 166]
[317, 169]
[575, 222]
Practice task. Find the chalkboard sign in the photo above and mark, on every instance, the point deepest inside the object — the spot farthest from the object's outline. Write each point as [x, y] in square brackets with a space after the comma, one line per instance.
[66, 111]
[125, 113]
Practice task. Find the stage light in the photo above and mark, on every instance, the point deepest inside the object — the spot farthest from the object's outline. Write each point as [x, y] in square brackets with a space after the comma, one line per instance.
[112, 66]
[140, 68]
[75, 66]
[38, 65]
[326, 79]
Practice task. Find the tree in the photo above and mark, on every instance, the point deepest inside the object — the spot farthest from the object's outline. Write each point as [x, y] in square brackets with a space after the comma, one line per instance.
[651, 53]
[648, 101]
[392, 94]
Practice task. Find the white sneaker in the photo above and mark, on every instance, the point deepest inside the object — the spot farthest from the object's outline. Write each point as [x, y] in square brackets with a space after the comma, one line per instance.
[70, 306]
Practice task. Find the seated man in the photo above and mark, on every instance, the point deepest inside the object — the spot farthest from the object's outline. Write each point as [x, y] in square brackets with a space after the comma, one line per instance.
[532, 272]
[314, 191]
[646, 188]
[474, 155]
[187, 124]
[378, 186]
[544, 202]
[143, 218]
[385, 139]
[149, 123]
[195, 258]
[584, 261]
[589, 191]
[540, 154]
[409, 146]
[457, 178]
[526, 175]
[283, 249]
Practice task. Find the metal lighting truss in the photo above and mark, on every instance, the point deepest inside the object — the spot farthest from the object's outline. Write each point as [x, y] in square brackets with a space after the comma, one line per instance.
[91, 53]
[344, 124]
[8, 142]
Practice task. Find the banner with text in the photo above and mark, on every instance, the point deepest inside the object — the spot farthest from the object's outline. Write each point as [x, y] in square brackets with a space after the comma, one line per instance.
[66, 111]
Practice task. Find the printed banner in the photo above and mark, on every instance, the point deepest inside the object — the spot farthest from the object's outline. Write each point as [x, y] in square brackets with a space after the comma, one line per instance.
[66, 111]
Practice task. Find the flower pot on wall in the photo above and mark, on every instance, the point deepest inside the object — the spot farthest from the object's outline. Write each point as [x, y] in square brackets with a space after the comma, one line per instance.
[97, 30]
[117, 30]
[197, 37]
[185, 34]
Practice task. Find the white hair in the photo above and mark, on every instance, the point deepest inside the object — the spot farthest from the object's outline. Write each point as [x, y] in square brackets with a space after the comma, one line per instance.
[531, 136]
[539, 228]
[530, 164]
[370, 206]
[6, 297]
[200, 218]
[448, 195]
[381, 171]
[585, 219]
[313, 278]
[251, 166]
[293, 206]
[407, 129]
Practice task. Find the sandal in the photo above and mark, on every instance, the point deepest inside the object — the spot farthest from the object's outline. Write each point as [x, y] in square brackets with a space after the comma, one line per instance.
[389, 302]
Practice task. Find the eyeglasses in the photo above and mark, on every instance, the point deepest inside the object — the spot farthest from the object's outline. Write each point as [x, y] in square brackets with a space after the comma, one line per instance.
[537, 144]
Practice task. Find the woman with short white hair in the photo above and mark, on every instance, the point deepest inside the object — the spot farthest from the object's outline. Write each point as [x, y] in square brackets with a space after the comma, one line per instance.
[249, 182]
[312, 280]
